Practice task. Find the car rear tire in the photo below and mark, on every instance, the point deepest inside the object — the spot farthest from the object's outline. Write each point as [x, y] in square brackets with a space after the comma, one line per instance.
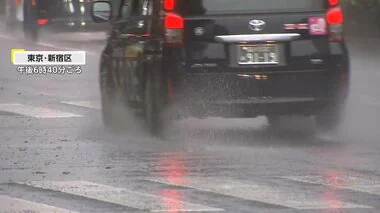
[11, 20]
[30, 26]
[329, 119]
[31, 35]
[153, 106]
[107, 115]
[299, 124]
[108, 98]
[274, 122]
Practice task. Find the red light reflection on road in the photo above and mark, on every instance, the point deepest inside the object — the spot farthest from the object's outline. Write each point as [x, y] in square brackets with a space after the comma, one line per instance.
[333, 201]
[173, 169]
[333, 180]
[172, 201]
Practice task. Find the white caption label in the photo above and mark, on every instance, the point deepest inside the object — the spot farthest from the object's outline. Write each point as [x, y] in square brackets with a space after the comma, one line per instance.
[50, 58]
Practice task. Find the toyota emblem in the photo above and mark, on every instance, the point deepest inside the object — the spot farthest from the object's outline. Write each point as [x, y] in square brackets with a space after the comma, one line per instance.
[256, 25]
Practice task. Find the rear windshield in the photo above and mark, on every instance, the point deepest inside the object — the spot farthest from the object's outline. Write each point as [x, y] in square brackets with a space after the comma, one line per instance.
[201, 7]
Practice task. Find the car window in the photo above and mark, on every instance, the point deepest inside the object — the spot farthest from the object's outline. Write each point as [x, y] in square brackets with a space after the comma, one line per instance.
[199, 7]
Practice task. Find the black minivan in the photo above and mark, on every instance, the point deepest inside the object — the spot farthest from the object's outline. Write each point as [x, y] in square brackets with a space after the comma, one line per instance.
[225, 58]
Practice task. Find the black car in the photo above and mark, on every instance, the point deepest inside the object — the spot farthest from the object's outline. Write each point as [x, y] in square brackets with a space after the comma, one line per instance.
[56, 15]
[233, 59]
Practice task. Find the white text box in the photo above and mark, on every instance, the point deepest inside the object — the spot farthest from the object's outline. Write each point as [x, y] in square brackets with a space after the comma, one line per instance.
[50, 58]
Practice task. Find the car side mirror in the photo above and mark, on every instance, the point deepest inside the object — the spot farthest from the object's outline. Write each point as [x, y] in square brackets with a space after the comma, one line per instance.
[101, 11]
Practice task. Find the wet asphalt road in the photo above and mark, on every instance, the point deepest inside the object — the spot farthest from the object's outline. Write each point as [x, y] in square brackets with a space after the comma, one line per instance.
[69, 162]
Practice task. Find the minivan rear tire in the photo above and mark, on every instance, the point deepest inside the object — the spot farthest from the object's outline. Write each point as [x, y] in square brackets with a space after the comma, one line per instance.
[31, 35]
[330, 119]
[108, 96]
[153, 106]
[274, 121]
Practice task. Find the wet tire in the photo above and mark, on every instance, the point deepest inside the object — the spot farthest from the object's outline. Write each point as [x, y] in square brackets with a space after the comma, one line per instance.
[11, 20]
[108, 98]
[106, 111]
[153, 106]
[330, 119]
[31, 35]
[274, 122]
[298, 124]
[30, 26]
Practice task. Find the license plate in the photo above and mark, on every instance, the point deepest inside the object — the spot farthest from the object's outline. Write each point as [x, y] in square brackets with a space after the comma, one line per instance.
[258, 54]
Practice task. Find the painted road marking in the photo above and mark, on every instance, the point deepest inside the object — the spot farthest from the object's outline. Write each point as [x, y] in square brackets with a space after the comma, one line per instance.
[87, 104]
[344, 182]
[36, 112]
[121, 196]
[8, 37]
[264, 193]
[12, 205]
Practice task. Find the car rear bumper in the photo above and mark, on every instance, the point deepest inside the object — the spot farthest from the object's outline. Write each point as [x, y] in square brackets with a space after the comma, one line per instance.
[251, 95]
[245, 108]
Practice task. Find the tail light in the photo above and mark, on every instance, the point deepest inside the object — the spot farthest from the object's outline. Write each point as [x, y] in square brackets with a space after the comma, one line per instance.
[169, 5]
[174, 25]
[42, 21]
[334, 18]
[333, 2]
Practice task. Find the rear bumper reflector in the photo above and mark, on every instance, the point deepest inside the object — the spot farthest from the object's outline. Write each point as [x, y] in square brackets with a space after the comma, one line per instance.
[42, 21]
[256, 38]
